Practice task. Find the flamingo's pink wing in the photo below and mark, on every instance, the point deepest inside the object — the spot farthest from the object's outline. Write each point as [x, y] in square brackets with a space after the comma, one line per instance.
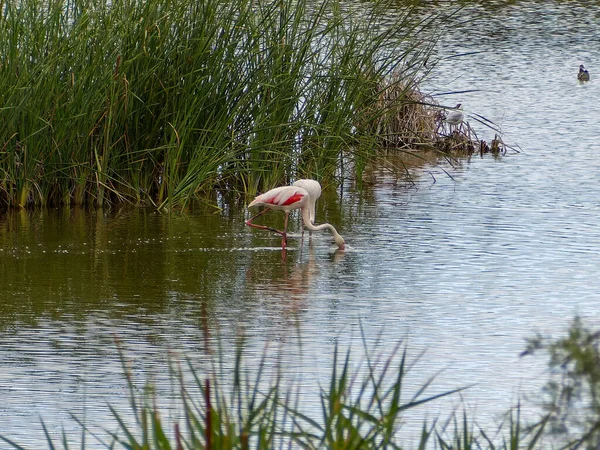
[293, 199]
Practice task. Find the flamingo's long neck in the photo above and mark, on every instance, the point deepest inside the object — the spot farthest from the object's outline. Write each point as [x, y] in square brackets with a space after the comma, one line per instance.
[339, 240]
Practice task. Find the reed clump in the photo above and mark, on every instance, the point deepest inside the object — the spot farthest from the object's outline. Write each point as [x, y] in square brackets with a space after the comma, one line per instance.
[403, 118]
[247, 403]
[362, 406]
[159, 102]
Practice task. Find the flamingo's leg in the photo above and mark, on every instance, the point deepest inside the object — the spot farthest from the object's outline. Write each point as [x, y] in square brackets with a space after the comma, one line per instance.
[262, 227]
[284, 234]
[249, 221]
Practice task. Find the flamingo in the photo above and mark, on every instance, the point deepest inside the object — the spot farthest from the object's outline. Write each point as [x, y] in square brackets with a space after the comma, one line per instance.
[455, 117]
[583, 74]
[286, 199]
[314, 191]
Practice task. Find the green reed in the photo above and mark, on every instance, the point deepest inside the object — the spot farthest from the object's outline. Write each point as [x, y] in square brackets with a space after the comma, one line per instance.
[162, 101]
[363, 406]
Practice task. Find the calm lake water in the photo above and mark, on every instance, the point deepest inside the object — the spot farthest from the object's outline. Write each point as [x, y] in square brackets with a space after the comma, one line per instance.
[462, 268]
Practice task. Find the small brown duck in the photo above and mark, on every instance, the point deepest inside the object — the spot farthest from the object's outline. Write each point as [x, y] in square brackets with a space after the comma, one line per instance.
[583, 74]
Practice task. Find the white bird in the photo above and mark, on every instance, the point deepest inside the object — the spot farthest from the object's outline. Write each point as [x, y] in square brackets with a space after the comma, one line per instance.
[455, 116]
[286, 199]
[314, 190]
[583, 74]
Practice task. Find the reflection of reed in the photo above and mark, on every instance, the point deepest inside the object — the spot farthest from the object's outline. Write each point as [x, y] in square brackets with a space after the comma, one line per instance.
[70, 261]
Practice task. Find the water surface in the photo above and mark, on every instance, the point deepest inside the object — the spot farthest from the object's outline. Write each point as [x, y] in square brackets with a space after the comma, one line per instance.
[461, 268]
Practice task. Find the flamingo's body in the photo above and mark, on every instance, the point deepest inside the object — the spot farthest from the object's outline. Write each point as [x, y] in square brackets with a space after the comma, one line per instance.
[286, 199]
[455, 116]
[314, 191]
[583, 74]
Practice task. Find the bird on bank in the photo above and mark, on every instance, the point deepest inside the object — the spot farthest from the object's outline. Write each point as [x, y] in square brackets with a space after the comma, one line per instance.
[583, 74]
[455, 116]
[287, 199]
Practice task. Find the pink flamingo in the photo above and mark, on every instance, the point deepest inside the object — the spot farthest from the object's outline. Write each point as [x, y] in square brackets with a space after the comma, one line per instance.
[286, 199]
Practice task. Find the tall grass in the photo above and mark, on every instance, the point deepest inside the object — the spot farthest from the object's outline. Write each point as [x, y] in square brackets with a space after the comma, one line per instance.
[234, 402]
[363, 406]
[159, 101]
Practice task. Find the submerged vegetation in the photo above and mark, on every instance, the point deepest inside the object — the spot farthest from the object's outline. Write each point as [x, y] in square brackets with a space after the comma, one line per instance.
[158, 102]
[363, 406]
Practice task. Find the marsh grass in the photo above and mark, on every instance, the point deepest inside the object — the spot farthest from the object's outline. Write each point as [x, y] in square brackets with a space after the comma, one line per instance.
[363, 406]
[571, 396]
[166, 101]
[407, 130]
[162, 101]
[403, 118]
